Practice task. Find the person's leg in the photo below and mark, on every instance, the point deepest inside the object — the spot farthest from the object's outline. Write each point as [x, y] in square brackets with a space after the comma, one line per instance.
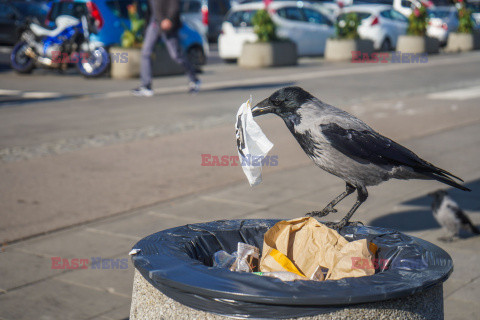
[151, 37]
[172, 42]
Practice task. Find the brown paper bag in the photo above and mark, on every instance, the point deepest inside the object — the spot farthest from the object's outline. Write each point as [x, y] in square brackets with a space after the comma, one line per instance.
[309, 245]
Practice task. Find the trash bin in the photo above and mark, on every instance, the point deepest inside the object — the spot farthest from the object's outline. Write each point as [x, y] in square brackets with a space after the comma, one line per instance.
[174, 278]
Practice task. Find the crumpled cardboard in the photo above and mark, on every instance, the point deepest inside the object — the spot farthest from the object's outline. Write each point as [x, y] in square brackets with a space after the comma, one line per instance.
[310, 245]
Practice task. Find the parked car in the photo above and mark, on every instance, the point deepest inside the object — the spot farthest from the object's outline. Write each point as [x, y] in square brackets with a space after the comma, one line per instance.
[379, 23]
[331, 8]
[297, 21]
[15, 16]
[402, 6]
[206, 15]
[474, 5]
[442, 21]
[111, 19]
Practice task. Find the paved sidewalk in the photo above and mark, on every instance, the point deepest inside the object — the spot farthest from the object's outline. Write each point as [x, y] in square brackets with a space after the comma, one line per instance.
[30, 289]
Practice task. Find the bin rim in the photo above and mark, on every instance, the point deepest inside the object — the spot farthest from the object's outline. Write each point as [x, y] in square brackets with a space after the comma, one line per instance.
[163, 261]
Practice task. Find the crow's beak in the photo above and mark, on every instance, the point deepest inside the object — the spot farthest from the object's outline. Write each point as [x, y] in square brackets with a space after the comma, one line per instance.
[262, 107]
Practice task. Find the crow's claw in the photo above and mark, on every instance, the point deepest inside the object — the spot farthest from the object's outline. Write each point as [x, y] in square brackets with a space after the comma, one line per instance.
[336, 225]
[447, 239]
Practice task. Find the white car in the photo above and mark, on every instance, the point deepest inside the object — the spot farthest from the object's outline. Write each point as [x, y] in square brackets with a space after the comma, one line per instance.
[297, 21]
[442, 21]
[379, 23]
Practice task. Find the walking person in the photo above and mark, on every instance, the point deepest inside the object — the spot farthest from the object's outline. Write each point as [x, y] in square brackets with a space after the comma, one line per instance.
[164, 22]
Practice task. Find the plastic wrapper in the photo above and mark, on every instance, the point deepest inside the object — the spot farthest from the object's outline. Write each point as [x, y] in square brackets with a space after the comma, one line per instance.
[222, 259]
[179, 262]
[248, 258]
[252, 144]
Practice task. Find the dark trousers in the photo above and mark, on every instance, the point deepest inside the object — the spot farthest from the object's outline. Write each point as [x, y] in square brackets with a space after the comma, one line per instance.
[172, 42]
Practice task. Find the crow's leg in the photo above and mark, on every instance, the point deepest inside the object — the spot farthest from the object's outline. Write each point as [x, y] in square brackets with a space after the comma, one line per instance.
[362, 196]
[450, 237]
[329, 208]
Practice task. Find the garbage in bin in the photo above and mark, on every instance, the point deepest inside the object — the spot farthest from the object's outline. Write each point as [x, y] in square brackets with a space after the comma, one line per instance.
[179, 263]
[302, 249]
[311, 246]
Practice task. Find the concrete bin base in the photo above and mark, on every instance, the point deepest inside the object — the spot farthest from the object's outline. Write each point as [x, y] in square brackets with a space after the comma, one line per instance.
[149, 303]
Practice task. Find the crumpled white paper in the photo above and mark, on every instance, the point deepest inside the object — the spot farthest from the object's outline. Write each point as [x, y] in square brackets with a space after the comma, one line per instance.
[252, 144]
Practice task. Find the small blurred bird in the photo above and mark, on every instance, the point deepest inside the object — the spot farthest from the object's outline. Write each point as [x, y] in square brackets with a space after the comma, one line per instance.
[346, 147]
[450, 216]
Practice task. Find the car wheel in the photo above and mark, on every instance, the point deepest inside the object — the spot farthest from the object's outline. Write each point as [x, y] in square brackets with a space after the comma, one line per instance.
[196, 56]
[386, 45]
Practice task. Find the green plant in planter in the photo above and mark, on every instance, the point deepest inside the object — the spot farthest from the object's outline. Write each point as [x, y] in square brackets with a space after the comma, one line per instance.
[417, 22]
[465, 22]
[264, 27]
[346, 26]
[133, 38]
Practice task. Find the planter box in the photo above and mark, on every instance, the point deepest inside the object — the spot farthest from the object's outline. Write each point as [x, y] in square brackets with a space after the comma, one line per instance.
[128, 63]
[418, 44]
[268, 54]
[411, 44]
[125, 62]
[458, 42]
[341, 49]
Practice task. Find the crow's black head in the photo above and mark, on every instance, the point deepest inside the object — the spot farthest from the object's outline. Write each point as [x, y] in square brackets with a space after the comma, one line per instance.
[282, 102]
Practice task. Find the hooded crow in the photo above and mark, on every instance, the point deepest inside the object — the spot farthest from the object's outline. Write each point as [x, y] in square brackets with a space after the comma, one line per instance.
[346, 147]
[450, 216]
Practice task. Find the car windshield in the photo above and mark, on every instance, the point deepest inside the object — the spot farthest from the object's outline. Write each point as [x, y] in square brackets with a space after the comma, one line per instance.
[474, 6]
[361, 15]
[31, 9]
[119, 7]
[242, 18]
[441, 14]
[74, 9]
[386, 2]
[190, 6]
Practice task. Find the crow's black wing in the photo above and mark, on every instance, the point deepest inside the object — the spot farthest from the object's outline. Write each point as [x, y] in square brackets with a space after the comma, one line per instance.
[368, 146]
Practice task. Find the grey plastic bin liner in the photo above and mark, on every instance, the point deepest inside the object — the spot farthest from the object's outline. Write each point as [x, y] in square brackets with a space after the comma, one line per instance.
[178, 262]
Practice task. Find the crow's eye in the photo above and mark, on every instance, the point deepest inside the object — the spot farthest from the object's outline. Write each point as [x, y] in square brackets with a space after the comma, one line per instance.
[276, 103]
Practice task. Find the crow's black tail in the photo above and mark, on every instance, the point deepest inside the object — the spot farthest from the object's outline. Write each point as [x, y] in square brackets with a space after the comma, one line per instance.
[473, 228]
[442, 177]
